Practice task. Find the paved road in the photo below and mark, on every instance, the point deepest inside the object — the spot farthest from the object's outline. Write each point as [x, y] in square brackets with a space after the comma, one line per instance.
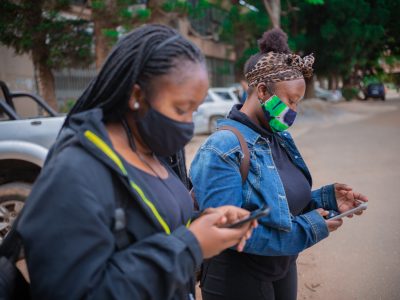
[362, 259]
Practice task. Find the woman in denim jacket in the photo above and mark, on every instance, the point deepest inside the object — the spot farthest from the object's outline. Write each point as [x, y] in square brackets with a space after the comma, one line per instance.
[278, 177]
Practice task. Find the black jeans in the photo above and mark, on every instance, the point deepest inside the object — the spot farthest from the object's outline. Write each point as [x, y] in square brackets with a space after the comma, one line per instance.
[216, 285]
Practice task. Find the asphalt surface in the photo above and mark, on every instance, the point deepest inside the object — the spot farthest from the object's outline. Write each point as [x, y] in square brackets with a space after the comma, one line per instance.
[357, 143]
[362, 259]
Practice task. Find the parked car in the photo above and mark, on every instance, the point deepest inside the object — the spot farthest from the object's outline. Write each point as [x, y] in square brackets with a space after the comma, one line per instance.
[375, 90]
[328, 95]
[24, 143]
[213, 108]
[228, 94]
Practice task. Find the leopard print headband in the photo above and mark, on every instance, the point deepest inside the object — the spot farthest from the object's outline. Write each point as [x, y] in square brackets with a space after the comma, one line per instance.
[275, 67]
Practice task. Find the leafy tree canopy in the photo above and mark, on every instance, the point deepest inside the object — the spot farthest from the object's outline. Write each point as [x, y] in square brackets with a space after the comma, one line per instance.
[39, 26]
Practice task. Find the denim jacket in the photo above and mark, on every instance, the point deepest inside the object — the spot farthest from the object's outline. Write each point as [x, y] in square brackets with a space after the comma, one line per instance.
[216, 179]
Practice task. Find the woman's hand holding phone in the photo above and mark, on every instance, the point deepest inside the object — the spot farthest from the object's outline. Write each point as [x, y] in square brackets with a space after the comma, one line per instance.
[348, 199]
[331, 224]
[214, 237]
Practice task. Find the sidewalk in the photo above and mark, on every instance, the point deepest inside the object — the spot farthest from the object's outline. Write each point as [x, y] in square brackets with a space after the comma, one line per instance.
[316, 112]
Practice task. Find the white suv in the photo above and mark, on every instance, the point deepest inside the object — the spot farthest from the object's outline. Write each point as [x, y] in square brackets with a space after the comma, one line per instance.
[213, 108]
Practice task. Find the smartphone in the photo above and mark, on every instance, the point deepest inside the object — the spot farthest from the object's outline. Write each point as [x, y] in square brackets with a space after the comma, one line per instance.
[362, 206]
[254, 215]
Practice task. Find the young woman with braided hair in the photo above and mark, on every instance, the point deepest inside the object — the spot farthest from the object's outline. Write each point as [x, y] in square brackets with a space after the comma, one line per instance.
[108, 217]
[278, 177]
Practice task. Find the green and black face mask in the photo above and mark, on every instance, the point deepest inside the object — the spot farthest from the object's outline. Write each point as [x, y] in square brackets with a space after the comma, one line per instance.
[280, 117]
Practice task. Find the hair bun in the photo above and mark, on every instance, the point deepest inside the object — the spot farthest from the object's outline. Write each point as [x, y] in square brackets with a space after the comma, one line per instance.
[274, 40]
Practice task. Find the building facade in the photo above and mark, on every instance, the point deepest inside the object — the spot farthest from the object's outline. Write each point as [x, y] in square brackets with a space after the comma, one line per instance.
[18, 72]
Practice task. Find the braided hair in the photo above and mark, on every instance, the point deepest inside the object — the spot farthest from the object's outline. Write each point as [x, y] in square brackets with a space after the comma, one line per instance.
[138, 57]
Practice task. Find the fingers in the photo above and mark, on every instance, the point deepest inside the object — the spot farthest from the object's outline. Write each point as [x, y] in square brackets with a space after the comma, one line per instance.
[342, 186]
[213, 238]
[241, 244]
[254, 224]
[234, 236]
[334, 225]
[208, 211]
[213, 217]
[322, 212]
[232, 213]
[360, 197]
[244, 238]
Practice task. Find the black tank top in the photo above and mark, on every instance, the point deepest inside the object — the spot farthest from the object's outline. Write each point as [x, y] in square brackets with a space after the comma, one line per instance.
[298, 194]
[170, 196]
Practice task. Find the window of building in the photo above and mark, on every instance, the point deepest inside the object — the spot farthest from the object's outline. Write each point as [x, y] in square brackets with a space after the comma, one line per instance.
[70, 83]
[207, 21]
[220, 72]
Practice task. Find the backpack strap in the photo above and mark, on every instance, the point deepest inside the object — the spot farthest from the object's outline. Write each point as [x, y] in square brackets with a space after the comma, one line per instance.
[245, 161]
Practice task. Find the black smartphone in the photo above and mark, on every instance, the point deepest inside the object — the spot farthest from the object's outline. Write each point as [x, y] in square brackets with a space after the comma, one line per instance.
[254, 215]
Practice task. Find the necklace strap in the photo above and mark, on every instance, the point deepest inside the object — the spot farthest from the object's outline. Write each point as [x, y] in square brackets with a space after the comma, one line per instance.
[128, 133]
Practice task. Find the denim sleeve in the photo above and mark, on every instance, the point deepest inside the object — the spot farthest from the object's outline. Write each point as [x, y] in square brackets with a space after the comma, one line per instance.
[216, 179]
[324, 197]
[307, 230]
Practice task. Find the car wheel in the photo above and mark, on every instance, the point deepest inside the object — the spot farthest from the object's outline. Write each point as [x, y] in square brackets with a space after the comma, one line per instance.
[12, 200]
[383, 98]
[212, 125]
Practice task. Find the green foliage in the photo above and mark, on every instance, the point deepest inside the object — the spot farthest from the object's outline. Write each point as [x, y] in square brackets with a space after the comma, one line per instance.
[38, 27]
[199, 10]
[67, 106]
[180, 6]
[350, 93]
[143, 14]
[98, 4]
[315, 2]
[345, 36]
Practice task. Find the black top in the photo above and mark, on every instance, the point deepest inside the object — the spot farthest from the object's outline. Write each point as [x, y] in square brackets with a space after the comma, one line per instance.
[298, 195]
[170, 196]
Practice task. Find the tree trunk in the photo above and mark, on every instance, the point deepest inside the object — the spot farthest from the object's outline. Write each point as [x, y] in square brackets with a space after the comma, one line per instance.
[101, 42]
[331, 82]
[273, 8]
[40, 55]
[46, 83]
[103, 18]
[239, 47]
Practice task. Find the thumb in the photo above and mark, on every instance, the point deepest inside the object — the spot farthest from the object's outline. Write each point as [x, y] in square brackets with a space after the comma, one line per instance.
[214, 218]
[342, 186]
[322, 212]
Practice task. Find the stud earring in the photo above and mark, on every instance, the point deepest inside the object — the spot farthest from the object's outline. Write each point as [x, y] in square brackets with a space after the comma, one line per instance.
[136, 106]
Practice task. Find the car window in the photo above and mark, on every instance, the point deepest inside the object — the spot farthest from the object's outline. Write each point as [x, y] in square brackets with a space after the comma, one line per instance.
[224, 96]
[27, 108]
[207, 99]
[3, 115]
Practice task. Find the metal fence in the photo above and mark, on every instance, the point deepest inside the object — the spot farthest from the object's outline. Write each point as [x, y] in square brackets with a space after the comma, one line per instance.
[70, 83]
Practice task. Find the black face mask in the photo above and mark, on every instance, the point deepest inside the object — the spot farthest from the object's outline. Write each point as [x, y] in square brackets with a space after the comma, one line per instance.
[163, 135]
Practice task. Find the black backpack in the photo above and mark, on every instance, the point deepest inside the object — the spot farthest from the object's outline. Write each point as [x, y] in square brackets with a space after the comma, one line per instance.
[13, 285]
